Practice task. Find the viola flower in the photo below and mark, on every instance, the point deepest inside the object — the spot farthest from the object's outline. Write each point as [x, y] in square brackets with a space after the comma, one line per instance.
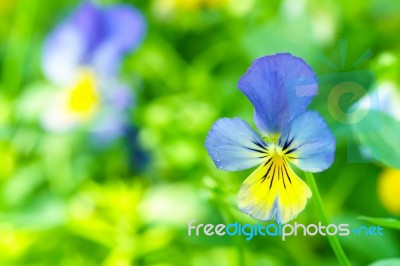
[82, 56]
[280, 87]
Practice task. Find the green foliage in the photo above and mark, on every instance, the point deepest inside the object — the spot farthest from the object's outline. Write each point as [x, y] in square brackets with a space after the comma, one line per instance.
[67, 200]
[385, 222]
[386, 262]
[378, 133]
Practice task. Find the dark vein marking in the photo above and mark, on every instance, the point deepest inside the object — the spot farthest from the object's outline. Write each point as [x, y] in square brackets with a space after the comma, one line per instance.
[291, 150]
[256, 150]
[265, 176]
[287, 144]
[261, 145]
[284, 166]
[283, 179]
[267, 162]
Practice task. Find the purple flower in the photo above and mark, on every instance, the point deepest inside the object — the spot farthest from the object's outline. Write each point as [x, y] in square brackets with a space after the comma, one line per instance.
[83, 56]
[280, 87]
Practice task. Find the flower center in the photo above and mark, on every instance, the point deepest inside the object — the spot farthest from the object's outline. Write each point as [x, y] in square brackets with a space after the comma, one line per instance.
[83, 97]
[272, 137]
[279, 155]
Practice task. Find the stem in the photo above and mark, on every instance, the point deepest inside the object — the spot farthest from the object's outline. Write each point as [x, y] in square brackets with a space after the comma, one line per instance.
[333, 240]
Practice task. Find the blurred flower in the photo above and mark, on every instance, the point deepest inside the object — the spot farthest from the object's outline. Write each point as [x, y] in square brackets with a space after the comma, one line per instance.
[389, 190]
[82, 56]
[280, 87]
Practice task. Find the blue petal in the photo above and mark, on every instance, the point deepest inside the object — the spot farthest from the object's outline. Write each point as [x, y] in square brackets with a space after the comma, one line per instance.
[233, 145]
[310, 142]
[124, 30]
[280, 87]
[117, 94]
[92, 37]
[71, 43]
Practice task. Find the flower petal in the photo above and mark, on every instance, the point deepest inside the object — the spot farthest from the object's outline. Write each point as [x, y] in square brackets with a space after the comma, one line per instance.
[309, 142]
[116, 94]
[280, 87]
[56, 117]
[124, 29]
[273, 191]
[233, 145]
[71, 43]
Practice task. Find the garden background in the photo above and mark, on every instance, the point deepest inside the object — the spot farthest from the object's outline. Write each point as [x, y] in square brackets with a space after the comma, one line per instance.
[68, 198]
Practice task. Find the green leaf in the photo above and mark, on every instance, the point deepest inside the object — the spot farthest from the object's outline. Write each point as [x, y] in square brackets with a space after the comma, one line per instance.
[370, 248]
[385, 222]
[386, 262]
[378, 134]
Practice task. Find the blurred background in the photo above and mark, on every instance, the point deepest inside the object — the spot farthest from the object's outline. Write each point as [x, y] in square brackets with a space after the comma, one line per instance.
[109, 166]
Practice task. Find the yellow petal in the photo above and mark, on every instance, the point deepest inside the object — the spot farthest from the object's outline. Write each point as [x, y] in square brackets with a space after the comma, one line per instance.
[273, 190]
